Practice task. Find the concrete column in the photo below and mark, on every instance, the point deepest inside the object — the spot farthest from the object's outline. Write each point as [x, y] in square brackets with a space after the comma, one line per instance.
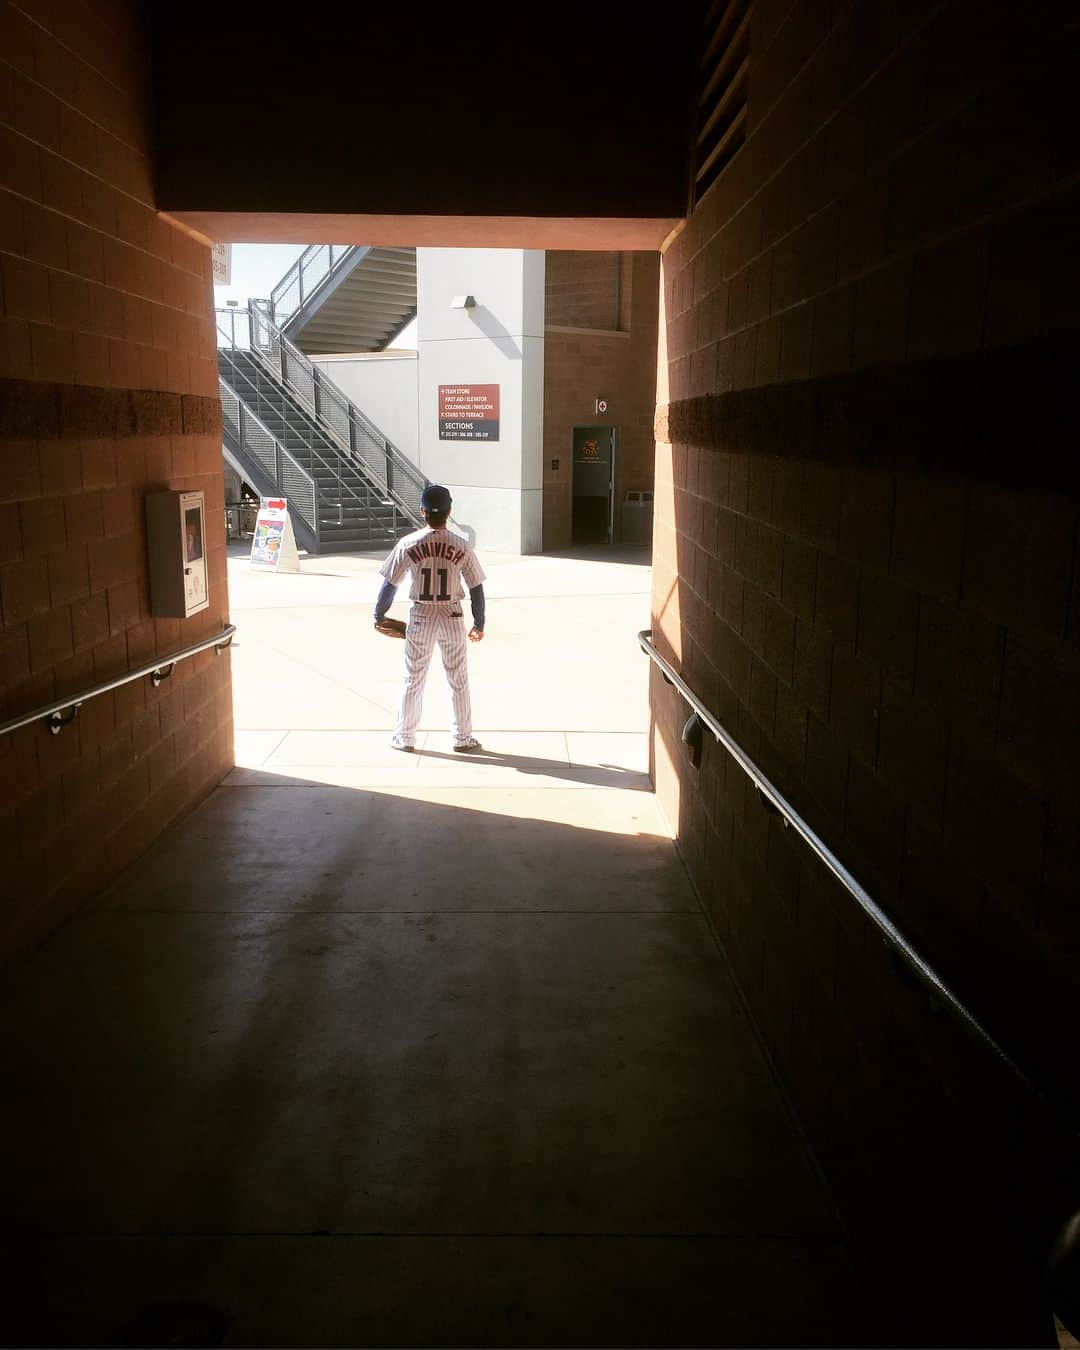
[497, 484]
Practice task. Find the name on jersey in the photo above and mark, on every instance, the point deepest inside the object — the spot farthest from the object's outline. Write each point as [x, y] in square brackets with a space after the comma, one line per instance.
[436, 548]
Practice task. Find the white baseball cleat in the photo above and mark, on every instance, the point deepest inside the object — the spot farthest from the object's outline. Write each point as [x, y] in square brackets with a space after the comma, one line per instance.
[397, 743]
[467, 747]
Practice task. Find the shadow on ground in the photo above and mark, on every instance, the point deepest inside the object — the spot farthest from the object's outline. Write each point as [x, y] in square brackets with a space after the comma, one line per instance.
[298, 1078]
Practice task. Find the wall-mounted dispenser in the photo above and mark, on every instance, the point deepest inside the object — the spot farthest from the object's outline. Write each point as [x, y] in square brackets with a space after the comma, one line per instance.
[176, 542]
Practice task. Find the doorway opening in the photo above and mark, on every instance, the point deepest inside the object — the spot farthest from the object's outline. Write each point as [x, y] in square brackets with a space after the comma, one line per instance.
[595, 468]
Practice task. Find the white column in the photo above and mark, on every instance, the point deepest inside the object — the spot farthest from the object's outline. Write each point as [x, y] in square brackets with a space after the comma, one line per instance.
[496, 484]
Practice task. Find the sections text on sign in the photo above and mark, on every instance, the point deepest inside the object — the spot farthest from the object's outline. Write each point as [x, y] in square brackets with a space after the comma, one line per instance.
[468, 412]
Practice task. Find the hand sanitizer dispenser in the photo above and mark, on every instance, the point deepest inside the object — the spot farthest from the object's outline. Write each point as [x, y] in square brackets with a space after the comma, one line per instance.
[176, 540]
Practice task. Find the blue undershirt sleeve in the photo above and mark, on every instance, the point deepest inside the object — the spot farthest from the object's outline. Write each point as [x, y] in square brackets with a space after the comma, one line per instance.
[385, 600]
[476, 599]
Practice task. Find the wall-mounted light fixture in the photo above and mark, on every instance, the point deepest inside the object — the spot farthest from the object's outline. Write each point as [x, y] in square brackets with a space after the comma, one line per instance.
[463, 302]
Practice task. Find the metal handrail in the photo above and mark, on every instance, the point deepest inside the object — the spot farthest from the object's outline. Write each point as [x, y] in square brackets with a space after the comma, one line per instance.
[281, 359]
[297, 274]
[261, 399]
[888, 930]
[157, 670]
[286, 470]
[316, 451]
[323, 391]
[1063, 1258]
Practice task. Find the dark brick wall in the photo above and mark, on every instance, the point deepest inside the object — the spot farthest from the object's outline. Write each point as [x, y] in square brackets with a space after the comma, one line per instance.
[108, 389]
[866, 561]
[580, 367]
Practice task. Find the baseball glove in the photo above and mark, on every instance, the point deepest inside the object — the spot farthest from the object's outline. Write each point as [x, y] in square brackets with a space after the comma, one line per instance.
[390, 627]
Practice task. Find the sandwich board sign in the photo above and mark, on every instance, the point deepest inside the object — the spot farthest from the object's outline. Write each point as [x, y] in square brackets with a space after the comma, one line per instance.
[273, 549]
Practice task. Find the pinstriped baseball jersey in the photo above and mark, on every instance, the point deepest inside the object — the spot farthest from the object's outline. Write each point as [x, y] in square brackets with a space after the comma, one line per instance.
[440, 565]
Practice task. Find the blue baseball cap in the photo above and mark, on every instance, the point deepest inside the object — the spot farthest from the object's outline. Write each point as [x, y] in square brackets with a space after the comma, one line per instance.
[436, 498]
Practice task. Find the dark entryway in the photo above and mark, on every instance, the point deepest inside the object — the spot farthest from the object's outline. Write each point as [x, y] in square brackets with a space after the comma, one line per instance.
[594, 485]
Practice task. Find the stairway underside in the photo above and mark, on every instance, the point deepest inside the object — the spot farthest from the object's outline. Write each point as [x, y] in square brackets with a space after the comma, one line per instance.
[361, 310]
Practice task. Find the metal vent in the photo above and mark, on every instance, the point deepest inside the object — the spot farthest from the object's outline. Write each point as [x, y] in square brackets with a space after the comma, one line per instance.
[721, 112]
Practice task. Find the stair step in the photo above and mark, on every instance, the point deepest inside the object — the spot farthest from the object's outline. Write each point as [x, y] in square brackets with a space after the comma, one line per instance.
[370, 537]
[377, 540]
[356, 522]
[363, 517]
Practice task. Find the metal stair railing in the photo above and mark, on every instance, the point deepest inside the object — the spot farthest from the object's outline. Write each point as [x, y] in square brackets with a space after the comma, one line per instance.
[251, 436]
[359, 438]
[304, 278]
[230, 341]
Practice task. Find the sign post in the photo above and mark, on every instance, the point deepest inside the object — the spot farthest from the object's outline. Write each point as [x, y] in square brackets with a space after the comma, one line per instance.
[273, 549]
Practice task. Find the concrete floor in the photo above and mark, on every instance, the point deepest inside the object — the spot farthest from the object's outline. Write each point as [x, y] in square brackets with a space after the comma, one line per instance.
[385, 1050]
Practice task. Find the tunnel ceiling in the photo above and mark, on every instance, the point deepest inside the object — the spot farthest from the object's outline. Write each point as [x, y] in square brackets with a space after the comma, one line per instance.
[561, 114]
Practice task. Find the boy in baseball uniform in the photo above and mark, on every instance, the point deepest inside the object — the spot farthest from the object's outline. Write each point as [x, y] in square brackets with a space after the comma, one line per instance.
[439, 566]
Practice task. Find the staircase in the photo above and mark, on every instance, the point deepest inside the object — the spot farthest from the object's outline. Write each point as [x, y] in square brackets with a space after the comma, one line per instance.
[289, 431]
[346, 298]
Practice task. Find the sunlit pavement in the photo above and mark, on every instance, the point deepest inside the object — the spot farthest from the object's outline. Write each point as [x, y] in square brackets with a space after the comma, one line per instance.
[380, 1049]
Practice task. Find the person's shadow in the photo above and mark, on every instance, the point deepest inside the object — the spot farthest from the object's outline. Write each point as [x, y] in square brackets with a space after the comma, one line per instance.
[592, 775]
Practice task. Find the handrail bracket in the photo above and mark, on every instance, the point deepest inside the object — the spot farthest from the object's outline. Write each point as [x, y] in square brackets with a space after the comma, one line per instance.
[57, 721]
[56, 716]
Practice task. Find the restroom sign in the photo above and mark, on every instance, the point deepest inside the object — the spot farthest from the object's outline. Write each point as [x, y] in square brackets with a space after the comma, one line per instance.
[468, 412]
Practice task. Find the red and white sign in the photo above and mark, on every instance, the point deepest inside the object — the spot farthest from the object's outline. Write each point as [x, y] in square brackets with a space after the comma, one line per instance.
[468, 412]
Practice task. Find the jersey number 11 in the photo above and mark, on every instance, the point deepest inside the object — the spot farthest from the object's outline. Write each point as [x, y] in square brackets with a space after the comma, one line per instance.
[425, 584]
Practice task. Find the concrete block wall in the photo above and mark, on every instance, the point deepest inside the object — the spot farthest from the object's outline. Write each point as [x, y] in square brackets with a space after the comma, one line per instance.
[583, 290]
[865, 561]
[108, 389]
[580, 367]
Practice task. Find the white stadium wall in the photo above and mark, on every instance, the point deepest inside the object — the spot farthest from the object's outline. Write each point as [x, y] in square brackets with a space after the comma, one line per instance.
[383, 385]
[497, 484]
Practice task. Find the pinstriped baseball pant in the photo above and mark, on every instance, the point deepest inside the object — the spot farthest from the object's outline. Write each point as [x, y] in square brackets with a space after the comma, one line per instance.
[430, 626]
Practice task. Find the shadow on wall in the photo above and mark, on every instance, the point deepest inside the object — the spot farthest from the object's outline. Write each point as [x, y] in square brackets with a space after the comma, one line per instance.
[491, 328]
